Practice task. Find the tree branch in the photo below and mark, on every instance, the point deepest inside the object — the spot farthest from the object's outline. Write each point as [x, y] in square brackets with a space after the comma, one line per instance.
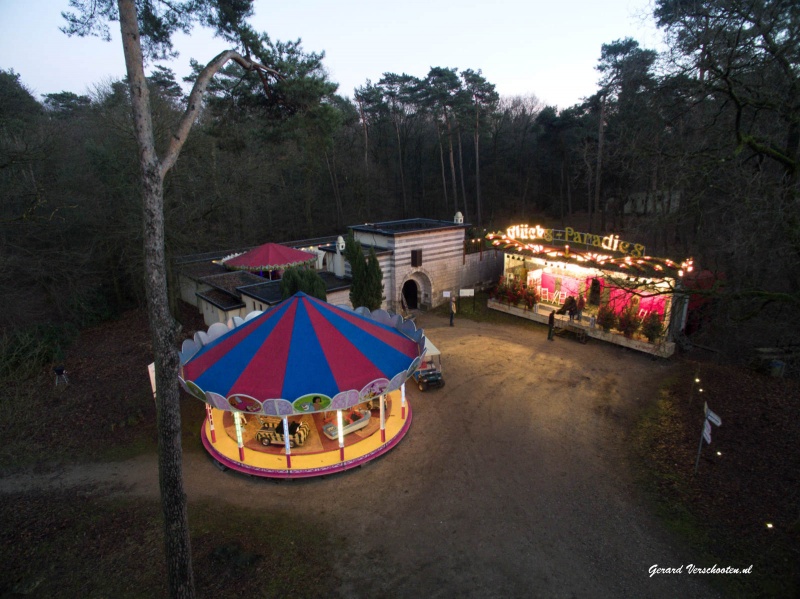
[195, 101]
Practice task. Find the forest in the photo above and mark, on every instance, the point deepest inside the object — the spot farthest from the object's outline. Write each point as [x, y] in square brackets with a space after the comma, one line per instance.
[692, 151]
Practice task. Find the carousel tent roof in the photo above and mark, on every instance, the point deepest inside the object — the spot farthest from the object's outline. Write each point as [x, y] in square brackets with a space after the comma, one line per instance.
[304, 347]
[270, 256]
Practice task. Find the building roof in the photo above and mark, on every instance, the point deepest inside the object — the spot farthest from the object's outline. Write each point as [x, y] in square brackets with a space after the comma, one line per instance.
[231, 281]
[221, 299]
[334, 283]
[379, 249]
[407, 226]
[270, 256]
[269, 292]
[220, 254]
[198, 270]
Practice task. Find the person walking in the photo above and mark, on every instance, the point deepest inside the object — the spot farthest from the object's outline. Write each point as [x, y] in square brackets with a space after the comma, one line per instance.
[551, 325]
[452, 309]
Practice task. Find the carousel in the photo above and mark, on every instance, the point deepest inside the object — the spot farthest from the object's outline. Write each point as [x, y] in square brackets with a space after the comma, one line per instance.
[304, 389]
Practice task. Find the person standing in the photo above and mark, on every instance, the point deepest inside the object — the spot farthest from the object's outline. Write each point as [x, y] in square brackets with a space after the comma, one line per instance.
[551, 324]
[452, 309]
[581, 305]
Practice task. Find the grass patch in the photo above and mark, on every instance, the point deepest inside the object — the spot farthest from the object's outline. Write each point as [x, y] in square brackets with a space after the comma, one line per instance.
[476, 309]
[107, 411]
[720, 512]
[53, 546]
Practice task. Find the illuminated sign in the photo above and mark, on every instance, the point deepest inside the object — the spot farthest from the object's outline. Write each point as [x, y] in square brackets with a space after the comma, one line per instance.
[586, 248]
[569, 235]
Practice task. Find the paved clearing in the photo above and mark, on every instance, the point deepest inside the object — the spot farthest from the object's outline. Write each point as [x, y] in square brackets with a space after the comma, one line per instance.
[512, 482]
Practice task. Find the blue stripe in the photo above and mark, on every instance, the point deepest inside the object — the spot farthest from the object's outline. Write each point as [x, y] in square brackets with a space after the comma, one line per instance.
[221, 376]
[386, 358]
[307, 370]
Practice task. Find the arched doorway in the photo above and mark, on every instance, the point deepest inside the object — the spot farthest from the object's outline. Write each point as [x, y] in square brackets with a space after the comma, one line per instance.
[411, 294]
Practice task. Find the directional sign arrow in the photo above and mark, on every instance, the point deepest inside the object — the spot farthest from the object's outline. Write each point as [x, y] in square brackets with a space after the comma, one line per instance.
[716, 420]
[707, 432]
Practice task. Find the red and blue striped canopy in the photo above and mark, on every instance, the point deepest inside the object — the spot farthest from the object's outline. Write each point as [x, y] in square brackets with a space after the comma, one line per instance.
[302, 348]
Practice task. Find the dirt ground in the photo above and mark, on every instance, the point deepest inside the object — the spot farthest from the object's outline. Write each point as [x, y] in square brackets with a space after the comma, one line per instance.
[512, 482]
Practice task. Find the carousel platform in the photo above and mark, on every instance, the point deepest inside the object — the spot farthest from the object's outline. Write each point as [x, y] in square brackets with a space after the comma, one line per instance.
[317, 456]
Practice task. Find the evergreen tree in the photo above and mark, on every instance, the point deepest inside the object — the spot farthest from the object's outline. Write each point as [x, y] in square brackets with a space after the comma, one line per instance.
[373, 282]
[358, 270]
[297, 278]
[367, 289]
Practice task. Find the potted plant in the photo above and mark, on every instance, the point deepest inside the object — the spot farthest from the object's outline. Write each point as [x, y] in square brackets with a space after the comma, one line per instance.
[514, 292]
[499, 292]
[629, 321]
[530, 298]
[606, 319]
[652, 327]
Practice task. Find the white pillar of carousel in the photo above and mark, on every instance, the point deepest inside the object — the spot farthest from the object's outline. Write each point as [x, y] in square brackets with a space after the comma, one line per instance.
[211, 423]
[383, 417]
[237, 418]
[286, 442]
[403, 401]
[339, 425]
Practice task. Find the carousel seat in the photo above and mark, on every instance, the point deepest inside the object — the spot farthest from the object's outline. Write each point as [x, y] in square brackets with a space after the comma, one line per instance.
[272, 432]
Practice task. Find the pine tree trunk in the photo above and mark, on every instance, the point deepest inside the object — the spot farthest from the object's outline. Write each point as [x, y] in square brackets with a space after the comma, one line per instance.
[461, 174]
[478, 208]
[441, 160]
[452, 162]
[599, 169]
[400, 163]
[162, 326]
[170, 453]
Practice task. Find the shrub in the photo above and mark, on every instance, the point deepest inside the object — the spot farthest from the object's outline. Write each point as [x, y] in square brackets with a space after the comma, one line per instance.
[652, 326]
[606, 319]
[629, 321]
[499, 291]
[530, 297]
[25, 352]
[509, 292]
[514, 292]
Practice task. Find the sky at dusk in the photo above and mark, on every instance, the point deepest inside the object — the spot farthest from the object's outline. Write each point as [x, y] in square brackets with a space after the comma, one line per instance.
[547, 49]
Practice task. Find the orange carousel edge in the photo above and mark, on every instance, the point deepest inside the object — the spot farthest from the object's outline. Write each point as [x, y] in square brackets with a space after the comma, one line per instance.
[318, 457]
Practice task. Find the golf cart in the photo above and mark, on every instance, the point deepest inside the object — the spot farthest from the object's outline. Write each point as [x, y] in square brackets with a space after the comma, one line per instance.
[429, 373]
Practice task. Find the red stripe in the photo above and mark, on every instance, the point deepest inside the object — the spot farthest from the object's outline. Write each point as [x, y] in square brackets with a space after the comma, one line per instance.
[197, 366]
[263, 376]
[349, 366]
[396, 339]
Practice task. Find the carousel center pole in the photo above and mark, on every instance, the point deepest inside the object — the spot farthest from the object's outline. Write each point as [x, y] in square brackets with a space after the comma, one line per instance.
[403, 401]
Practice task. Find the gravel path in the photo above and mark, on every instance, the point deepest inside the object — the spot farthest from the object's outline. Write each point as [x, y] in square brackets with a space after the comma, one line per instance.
[512, 481]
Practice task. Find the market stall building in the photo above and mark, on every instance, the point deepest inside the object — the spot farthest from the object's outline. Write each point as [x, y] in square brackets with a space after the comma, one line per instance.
[625, 296]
